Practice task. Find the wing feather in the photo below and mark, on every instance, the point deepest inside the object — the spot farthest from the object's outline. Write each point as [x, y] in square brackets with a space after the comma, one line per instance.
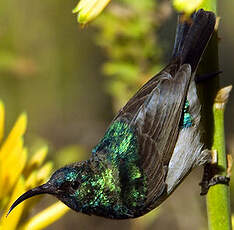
[155, 111]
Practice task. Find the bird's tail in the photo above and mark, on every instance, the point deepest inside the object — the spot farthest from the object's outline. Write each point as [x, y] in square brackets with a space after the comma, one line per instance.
[192, 37]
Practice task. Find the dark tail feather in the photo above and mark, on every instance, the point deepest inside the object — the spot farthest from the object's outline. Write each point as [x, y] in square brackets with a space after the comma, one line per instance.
[192, 37]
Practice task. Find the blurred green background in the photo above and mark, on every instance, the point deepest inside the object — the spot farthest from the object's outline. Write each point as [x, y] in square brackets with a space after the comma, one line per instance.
[52, 69]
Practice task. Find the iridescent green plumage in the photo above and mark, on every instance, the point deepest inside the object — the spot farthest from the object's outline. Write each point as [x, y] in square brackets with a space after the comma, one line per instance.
[151, 144]
[120, 146]
[120, 143]
[113, 183]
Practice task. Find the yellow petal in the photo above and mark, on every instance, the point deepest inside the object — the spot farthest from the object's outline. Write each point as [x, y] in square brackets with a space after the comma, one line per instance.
[44, 172]
[31, 181]
[46, 217]
[2, 120]
[187, 6]
[89, 9]
[12, 167]
[10, 223]
[37, 177]
[10, 150]
[37, 159]
[18, 165]
[17, 131]
[83, 4]
[4, 202]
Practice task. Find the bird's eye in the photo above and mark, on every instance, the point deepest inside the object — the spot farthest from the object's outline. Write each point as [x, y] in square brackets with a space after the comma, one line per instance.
[75, 185]
[64, 185]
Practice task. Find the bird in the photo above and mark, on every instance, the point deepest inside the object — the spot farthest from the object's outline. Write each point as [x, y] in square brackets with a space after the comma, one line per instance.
[150, 146]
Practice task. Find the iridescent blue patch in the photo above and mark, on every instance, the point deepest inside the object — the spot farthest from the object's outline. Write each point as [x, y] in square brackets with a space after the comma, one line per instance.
[187, 119]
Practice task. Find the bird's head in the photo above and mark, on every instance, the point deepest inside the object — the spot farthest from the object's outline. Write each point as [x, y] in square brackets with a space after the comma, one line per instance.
[63, 184]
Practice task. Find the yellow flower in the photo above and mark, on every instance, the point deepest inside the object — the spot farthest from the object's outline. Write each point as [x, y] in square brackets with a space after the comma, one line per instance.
[89, 9]
[187, 6]
[18, 174]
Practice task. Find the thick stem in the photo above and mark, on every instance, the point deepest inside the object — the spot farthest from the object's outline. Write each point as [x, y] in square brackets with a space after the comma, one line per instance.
[218, 198]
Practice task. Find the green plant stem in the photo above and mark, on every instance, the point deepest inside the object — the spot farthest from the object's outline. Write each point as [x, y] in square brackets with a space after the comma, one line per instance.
[218, 198]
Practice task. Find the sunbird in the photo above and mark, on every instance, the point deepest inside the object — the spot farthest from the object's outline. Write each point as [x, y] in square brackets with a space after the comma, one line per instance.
[151, 145]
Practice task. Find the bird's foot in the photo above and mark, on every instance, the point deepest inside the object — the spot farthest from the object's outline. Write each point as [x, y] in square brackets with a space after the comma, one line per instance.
[205, 185]
[211, 175]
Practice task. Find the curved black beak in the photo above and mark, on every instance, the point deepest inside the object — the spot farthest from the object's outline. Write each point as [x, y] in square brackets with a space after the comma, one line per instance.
[45, 188]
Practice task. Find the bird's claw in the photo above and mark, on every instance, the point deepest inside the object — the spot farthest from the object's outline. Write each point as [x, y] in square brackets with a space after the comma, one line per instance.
[210, 177]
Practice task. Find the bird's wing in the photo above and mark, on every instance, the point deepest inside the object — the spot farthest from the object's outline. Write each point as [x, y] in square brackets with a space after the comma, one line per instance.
[157, 121]
[156, 109]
